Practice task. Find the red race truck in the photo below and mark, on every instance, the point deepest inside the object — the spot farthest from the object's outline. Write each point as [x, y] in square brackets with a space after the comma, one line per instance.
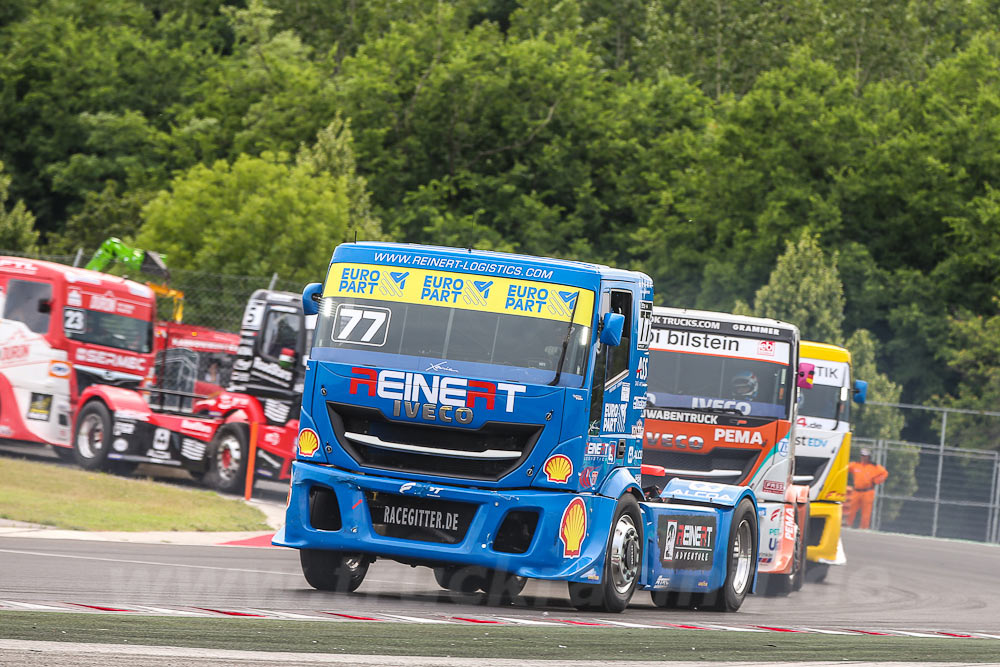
[212, 437]
[64, 329]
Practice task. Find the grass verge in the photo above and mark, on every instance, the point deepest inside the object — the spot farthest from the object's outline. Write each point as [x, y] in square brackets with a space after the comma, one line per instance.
[570, 643]
[80, 500]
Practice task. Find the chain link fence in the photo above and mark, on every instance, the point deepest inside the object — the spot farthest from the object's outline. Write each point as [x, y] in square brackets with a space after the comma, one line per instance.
[211, 300]
[935, 490]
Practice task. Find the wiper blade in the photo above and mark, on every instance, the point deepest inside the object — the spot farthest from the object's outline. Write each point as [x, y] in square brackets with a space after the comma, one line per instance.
[565, 343]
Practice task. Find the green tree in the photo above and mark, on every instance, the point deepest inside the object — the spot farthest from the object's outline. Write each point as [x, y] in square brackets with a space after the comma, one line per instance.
[974, 353]
[64, 60]
[17, 224]
[263, 214]
[805, 289]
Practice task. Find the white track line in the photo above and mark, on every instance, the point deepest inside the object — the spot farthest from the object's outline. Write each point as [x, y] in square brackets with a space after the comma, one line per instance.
[628, 625]
[146, 562]
[527, 621]
[416, 619]
[28, 605]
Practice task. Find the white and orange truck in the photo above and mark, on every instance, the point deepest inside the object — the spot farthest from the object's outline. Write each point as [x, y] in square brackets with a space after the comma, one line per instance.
[721, 408]
[823, 449]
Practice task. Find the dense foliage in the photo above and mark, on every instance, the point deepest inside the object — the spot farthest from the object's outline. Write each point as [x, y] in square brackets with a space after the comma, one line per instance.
[689, 139]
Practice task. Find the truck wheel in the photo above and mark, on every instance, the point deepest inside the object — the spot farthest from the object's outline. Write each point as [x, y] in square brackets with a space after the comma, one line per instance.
[461, 579]
[333, 570]
[92, 439]
[227, 461]
[802, 539]
[741, 561]
[622, 560]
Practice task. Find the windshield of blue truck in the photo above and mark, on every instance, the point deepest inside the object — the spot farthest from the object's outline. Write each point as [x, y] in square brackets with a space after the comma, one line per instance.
[435, 321]
[718, 373]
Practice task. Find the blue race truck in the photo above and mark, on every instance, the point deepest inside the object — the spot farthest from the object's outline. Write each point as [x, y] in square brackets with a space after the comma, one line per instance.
[481, 414]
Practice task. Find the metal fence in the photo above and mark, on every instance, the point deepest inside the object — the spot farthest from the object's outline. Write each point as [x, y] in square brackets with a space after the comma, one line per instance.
[936, 490]
[211, 300]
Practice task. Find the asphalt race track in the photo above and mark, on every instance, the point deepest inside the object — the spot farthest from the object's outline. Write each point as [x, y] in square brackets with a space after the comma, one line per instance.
[890, 581]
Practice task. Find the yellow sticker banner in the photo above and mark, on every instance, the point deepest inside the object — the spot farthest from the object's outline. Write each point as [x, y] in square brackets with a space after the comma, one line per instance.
[468, 291]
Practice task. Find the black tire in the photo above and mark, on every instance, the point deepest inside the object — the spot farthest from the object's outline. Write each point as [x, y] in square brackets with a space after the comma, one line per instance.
[334, 571]
[816, 572]
[92, 436]
[622, 560]
[802, 537]
[741, 562]
[460, 579]
[227, 460]
[64, 454]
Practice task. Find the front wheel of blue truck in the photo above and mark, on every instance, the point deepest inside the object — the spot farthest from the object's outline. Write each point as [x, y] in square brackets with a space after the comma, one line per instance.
[622, 559]
[333, 570]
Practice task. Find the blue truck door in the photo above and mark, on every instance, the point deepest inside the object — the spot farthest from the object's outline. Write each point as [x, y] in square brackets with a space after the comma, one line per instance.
[611, 441]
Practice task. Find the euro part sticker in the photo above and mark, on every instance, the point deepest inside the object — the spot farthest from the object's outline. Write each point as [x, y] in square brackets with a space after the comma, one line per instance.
[468, 291]
[558, 469]
[308, 442]
[687, 542]
[573, 528]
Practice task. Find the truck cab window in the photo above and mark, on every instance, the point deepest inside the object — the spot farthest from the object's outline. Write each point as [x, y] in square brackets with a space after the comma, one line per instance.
[26, 302]
[281, 330]
[619, 357]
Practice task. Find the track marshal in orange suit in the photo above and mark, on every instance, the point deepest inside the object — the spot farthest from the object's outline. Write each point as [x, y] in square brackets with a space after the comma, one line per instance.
[861, 495]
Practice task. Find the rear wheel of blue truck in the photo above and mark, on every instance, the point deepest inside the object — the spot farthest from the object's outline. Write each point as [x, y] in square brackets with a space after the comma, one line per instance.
[622, 560]
[335, 571]
[741, 561]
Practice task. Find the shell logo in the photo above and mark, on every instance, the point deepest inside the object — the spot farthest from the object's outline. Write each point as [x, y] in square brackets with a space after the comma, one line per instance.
[558, 469]
[573, 527]
[308, 442]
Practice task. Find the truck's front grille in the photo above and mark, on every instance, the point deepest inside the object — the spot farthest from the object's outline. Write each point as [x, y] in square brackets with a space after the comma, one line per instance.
[722, 465]
[486, 453]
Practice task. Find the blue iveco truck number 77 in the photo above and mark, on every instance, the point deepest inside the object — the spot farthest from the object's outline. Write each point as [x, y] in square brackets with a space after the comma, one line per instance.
[481, 413]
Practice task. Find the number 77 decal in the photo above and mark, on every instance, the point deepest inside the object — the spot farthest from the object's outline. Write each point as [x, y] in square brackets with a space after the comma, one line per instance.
[366, 325]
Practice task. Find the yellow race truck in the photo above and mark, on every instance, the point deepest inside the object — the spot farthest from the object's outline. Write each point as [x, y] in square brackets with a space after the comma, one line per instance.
[823, 449]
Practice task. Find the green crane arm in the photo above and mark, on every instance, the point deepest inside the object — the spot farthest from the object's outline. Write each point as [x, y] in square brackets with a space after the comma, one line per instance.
[144, 261]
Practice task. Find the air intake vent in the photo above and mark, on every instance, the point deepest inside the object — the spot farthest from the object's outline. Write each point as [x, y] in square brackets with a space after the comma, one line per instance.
[486, 453]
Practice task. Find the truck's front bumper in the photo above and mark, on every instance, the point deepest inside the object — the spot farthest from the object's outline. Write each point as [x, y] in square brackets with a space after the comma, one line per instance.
[556, 549]
[823, 548]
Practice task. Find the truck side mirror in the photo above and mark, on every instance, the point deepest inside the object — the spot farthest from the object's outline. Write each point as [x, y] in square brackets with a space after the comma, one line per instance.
[806, 374]
[310, 298]
[612, 327]
[860, 392]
